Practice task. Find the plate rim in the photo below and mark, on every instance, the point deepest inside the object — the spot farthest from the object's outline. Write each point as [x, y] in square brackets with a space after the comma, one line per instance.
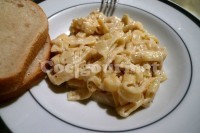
[183, 11]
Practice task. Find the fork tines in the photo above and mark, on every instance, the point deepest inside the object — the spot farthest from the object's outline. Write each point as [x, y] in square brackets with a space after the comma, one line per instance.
[108, 7]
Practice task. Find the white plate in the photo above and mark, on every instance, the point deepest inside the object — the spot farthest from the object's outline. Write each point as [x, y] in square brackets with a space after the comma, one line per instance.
[175, 108]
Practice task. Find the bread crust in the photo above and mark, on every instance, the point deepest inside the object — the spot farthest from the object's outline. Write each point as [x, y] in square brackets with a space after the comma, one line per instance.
[34, 76]
[12, 82]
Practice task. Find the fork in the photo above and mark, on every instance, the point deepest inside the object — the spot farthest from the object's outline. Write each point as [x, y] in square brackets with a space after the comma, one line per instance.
[108, 7]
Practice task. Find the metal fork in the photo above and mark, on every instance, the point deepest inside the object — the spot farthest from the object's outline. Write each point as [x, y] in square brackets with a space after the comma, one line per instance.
[108, 7]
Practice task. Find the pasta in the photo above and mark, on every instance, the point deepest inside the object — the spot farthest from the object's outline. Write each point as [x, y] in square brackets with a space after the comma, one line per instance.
[111, 60]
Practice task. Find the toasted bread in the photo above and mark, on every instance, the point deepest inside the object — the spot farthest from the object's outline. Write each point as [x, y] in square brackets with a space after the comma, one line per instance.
[23, 32]
[33, 75]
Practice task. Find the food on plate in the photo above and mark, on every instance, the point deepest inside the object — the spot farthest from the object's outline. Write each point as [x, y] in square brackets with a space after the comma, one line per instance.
[111, 60]
[24, 41]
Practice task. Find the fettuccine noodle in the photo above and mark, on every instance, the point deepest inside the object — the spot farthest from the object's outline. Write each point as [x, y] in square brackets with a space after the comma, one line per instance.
[114, 61]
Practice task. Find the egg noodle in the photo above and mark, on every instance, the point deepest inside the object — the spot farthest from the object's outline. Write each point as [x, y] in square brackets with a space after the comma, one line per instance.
[111, 60]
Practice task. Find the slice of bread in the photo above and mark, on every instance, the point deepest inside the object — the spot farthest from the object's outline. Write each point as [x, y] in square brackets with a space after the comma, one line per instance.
[33, 75]
[23, 32]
